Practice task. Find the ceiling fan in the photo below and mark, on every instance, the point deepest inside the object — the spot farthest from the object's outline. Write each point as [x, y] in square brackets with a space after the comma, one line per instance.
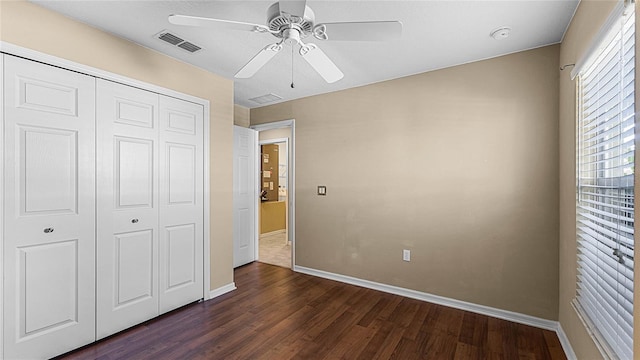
[291, 21]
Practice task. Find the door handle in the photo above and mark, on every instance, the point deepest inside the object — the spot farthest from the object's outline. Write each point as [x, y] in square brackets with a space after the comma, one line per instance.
[133, 221]
[48, 230]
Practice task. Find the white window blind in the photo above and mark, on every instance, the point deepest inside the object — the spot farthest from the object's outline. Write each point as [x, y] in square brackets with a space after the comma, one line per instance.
[605, 206]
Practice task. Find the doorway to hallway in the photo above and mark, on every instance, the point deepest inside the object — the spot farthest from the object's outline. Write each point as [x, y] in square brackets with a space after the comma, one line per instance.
[276, 177]
[273, 242]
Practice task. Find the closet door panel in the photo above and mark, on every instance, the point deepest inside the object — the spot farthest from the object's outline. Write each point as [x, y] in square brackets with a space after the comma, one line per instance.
[50, 269]
[133, 267]
[181, 174]
[181, 255]
[49, 209]
[181, 203]
[127, 272]
[134, 173]
[48, 170]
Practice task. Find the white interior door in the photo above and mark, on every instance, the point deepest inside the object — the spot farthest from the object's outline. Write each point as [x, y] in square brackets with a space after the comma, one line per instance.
[181, 203]
[245, 195]
[49, 210]
[127, 244]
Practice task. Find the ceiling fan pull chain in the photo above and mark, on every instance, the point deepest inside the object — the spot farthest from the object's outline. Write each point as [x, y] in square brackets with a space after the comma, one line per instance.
[292, 67]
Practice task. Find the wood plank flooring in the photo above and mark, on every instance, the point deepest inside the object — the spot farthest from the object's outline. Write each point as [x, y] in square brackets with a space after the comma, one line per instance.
[279, 314]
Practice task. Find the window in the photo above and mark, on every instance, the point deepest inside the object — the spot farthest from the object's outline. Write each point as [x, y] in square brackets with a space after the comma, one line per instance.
[605, 199]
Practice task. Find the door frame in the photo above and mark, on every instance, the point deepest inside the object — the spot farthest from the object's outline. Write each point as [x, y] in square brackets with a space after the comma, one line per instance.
[15, 50]
[291, 180]
[2, 206]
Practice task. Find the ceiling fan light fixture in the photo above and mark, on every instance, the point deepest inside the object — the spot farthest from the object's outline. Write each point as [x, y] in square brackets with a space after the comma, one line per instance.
[291, 36]
[501, 33]
[292, 21]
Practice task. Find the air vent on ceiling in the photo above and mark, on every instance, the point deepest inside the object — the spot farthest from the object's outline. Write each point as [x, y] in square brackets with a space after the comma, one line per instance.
[170, 38]
[178, 41]
[266, 98]
[189, 46]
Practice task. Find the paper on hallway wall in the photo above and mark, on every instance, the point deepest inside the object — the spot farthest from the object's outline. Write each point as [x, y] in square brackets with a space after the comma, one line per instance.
[266, 173]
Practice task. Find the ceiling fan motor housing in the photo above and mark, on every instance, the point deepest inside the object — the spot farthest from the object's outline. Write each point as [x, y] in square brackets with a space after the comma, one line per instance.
[280, 24]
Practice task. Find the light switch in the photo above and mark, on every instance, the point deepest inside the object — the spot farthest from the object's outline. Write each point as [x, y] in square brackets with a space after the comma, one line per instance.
[406, 255]
[322, 190]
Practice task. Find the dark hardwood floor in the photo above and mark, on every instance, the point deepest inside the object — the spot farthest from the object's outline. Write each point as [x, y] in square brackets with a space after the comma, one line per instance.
[278, 314]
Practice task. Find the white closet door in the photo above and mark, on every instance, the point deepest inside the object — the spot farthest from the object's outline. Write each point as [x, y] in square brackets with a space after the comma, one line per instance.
[181, 203]
[127, 248]
[49, 210]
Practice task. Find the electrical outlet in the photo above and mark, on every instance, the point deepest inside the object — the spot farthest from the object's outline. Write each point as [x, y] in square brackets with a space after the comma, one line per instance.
[322, 190]
[406, 255]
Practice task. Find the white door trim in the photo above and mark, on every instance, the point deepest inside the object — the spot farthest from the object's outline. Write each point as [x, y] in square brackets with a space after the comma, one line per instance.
[206, 252]
[1, 205]
[30, 54]
[291, 174]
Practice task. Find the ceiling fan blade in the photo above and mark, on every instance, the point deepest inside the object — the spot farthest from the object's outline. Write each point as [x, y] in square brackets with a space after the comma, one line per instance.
[215, 23]
[359, 31]
[292, 7]
[258, 61]
[321, 63]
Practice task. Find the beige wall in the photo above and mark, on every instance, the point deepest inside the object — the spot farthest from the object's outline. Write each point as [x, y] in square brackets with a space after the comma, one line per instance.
[281, 133]
[241, 116]
[586, 23]
[458, 165]
[272, 216]
[33, 27]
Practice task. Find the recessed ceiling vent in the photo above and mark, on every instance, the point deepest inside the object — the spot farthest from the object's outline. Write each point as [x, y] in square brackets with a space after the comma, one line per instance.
[189, 46]
[178, 41]
[266, 98]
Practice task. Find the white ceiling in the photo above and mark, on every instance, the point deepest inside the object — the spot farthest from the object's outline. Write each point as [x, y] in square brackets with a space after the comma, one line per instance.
[436, 34]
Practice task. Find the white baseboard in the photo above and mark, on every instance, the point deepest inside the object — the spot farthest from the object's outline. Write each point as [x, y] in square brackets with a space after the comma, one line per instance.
[441, 300]
[222, 290]
[566, 345]
[436, 299]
